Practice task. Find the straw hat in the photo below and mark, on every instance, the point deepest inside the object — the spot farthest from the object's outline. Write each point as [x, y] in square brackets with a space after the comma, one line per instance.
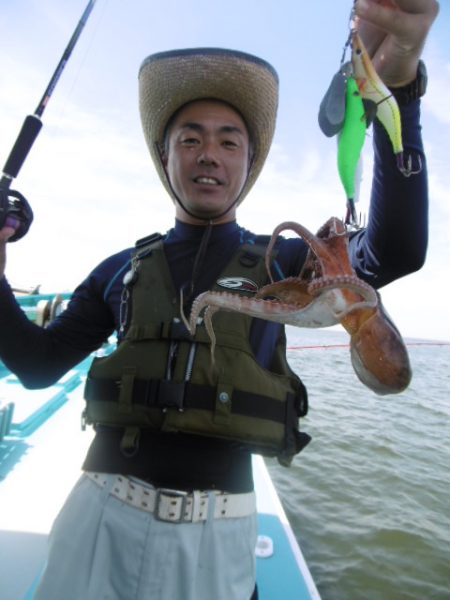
[168, 80]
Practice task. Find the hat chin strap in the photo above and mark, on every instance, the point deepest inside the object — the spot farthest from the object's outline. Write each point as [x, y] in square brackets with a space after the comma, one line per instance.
[209, 220]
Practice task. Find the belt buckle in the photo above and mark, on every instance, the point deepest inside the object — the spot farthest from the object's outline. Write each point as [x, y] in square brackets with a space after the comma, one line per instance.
[168, 494]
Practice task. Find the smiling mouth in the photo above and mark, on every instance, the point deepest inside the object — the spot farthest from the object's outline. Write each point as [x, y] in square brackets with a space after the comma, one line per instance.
[207, 180]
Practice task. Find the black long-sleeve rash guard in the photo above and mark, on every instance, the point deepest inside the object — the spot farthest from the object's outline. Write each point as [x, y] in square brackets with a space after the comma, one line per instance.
[392, 245]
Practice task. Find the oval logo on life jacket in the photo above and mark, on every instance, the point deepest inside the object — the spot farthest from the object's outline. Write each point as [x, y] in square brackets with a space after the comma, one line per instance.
[241, 284]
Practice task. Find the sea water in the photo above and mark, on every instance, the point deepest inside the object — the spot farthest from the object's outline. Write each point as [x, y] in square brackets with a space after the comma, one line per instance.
[369, 497]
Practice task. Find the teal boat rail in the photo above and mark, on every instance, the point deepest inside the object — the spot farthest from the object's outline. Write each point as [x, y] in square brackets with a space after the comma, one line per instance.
[41, 308]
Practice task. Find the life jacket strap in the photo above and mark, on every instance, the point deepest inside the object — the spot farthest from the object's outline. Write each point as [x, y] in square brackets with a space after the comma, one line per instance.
[165, 394]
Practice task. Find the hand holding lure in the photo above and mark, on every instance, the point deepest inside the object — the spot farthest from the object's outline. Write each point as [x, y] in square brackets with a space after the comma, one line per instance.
[355, 96]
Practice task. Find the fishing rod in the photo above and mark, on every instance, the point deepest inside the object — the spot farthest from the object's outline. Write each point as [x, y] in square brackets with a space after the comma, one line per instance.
[14, 208]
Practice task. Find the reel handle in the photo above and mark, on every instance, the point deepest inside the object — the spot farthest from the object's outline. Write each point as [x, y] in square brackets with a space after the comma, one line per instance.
[15, 212]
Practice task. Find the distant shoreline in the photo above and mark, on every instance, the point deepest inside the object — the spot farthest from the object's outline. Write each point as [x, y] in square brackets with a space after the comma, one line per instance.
[326, 346]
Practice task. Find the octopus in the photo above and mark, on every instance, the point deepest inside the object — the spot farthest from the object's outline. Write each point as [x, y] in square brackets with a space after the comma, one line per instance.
[326, 292]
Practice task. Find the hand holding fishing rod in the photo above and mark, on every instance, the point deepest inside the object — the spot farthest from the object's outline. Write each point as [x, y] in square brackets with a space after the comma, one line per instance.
[5, 233]
[15, 211]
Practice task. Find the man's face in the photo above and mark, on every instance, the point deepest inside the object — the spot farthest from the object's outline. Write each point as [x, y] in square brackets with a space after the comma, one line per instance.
[207, 160]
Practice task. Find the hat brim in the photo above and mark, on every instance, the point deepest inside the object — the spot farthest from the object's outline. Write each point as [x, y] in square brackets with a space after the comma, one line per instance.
[168, 80]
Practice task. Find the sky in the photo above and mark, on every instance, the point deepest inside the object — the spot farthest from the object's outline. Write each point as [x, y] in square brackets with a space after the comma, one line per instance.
[89, 176]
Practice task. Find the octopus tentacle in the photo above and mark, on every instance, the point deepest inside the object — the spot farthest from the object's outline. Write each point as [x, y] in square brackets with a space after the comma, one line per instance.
[349, 282]
[317, 245]
[207, 318]
[200, 303]
[361, 296]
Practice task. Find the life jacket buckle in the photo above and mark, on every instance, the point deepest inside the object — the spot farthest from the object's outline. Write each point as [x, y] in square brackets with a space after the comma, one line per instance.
[178, 331]
[171, 395]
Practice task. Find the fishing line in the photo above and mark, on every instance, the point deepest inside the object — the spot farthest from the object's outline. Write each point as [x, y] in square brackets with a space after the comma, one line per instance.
[81, 65]
[59, 116]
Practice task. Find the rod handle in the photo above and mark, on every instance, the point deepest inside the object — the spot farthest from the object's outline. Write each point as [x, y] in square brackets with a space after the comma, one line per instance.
[27, 135]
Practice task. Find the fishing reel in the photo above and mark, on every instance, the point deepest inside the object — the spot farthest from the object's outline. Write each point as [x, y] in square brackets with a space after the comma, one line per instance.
[15, 212]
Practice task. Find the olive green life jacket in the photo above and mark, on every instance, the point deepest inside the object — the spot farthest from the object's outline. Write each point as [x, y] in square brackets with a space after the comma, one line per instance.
[163, 379]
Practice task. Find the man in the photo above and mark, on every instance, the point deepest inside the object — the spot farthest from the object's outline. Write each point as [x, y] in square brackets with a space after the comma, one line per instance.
[166, 508]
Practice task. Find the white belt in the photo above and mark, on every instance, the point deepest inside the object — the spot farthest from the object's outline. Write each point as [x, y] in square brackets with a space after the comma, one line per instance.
[176, 506]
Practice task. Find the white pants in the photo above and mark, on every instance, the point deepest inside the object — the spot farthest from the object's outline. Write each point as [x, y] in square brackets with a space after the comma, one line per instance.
[103, 549]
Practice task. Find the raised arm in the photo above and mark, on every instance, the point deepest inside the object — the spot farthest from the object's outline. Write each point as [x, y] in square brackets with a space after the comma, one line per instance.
[395, 241]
